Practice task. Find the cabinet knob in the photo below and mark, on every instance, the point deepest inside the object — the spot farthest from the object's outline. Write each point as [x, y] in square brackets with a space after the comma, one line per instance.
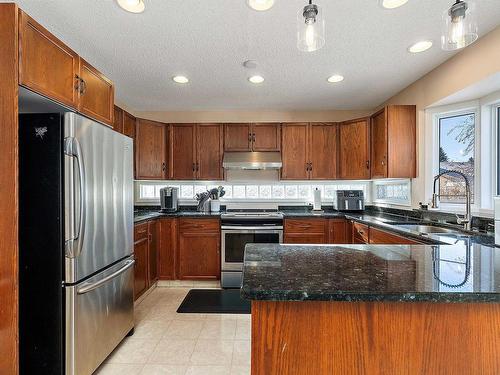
[253, 137]
[194, 167]
[249, 137]
[368, 164]
[163, 167]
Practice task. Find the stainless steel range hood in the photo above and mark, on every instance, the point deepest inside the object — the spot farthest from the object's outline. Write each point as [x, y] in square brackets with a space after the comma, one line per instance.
[252, 160]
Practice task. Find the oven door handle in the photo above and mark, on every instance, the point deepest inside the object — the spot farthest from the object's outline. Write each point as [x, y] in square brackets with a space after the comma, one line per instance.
[259, 229]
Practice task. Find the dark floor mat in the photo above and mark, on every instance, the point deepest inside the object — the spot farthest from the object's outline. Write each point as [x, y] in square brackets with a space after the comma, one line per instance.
[214, 301]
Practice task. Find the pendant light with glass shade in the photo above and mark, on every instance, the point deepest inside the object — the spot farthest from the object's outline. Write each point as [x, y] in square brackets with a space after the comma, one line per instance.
[459, 26]
[310, 28]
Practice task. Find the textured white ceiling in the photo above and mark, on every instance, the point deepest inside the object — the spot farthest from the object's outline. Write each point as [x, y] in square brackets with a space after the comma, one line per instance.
[208, 40]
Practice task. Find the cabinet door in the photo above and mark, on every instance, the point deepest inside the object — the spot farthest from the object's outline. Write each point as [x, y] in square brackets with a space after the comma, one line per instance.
[402, 141]
[128, 124]
[96, 94]
[380, 237]
[140, 267]
[209, 152]
[153, 233]
[379, 145]
[118, 119]
[305, 238]
[294, 151]
[167, 249]
[237, 137]
[360, 233]
[354, 159]
[151, 150]
[338, 232]
[183, 152]
[323, 150]
[306, 231]
[266, 137]
[199, 253]
[46, 65]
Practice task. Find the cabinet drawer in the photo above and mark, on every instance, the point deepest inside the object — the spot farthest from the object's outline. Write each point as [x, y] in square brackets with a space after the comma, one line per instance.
[384, 238]
[305, 225]
[360, 233]
[140, 231]
[205, 225]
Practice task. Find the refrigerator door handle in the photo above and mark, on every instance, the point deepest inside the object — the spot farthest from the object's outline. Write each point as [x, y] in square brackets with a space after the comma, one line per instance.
[72, 148]
[88, 287]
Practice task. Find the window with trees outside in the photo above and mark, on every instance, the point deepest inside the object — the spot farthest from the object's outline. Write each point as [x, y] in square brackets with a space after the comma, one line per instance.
[456, 153]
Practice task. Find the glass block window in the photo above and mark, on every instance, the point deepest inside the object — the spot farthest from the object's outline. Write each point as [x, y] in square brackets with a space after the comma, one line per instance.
[300, 192]
[392, 192]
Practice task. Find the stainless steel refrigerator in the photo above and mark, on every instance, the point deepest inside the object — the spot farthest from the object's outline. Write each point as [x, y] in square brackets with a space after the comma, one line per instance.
[76, 243]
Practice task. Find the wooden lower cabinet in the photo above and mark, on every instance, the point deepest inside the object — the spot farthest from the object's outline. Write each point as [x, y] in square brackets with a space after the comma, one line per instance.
[360, 233]
[140, 267]
[306, 231]
[199, 249]
[167, 249]
[146, 256]
[338, 232]
[318, 231]
[380, 237]
[153, 251]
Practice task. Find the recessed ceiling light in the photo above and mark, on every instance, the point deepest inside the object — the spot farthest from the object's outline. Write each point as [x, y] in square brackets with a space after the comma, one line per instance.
[392, 4]
[260, 5]
[180, 79]
[132, 6]
[335, 78]
[256, 79]
[421, 46]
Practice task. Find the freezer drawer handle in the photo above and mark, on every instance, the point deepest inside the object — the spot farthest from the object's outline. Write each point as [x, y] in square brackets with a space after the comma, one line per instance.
[88, 287]
[72, 148]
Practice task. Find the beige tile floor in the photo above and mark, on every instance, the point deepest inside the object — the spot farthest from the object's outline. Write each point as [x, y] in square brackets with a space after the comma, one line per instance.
[167, 343]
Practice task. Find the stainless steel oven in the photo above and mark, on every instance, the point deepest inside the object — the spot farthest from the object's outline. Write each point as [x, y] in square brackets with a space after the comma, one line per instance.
[240, 229]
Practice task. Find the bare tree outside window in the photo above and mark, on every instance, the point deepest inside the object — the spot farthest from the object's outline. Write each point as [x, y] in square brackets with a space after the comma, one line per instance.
[456, 153]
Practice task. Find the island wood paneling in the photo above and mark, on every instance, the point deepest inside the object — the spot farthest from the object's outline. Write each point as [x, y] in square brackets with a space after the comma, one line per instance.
[9, 189]
[330, 338]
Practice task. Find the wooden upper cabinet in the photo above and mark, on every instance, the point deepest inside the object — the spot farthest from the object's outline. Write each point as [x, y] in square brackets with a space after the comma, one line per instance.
[323, 150]
[354, 149]
[252, 137]
[96, 94]
[118, 119]
[209, 151]
[46, 65]
[182, 151]
[128, 124]
[294, 151]
[394, 142]
[266, 137]
[151, 150]
[379, 145]
[49, 67]
[238, 137]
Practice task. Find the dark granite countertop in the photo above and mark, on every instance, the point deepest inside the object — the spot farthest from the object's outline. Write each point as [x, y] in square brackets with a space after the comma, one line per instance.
[463, 272]
[144, 215]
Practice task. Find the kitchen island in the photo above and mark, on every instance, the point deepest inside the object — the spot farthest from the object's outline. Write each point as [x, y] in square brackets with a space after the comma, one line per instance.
[374, 309]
